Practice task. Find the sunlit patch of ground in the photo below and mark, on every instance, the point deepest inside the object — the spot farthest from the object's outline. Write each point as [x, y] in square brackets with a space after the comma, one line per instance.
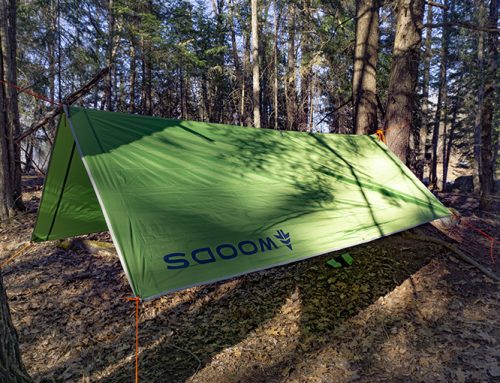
[403, 312]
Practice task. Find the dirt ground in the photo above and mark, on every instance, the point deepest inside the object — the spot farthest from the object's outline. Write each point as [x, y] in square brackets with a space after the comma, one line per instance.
[405, 311]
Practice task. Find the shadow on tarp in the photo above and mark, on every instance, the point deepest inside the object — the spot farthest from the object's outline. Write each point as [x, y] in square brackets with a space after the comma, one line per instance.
[258, 299]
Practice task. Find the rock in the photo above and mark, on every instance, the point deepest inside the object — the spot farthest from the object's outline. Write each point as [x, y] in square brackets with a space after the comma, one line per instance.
[464, 183]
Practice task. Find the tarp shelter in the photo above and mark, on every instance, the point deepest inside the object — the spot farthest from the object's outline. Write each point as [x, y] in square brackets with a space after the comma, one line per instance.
[189, 203]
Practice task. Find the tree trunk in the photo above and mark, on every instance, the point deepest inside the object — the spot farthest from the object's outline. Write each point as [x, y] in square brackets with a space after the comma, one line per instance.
[7, 206]
[477, 120]
[424, 127]
[9, 107]
[264, 65]
[403, 78]
[439, 129]
[59, 52]
[255, 65]
[108, 81]
[305, 66]
[275, 62]
[291, 92]
[12, 369]
[364, 79]
[246, 64]
[132, 75]
[236, 60]
[486, 169]
[448, 146]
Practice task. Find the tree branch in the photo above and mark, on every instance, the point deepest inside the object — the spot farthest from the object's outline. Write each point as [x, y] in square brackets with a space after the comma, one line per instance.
[461, 24]
[457, 252]
[67, 101]
[438, 5]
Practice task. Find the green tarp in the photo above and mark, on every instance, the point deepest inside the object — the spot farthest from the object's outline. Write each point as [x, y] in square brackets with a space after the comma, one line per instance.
[192, 202]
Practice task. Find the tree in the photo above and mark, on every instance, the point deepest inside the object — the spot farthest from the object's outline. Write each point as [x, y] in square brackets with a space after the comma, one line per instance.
[10, 191]
[290, 90]
[438, 132]
[364, 78]
[486, 164]
[12, 369]
[255, 64]
[11, 366]
[424, 121]
[403, 77]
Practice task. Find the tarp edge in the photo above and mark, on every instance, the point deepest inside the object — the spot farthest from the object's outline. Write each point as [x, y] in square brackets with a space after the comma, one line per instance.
[284, 263]
[99, 199]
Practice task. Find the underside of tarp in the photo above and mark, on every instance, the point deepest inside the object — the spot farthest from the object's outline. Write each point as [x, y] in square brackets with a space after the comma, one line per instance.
[190, 202]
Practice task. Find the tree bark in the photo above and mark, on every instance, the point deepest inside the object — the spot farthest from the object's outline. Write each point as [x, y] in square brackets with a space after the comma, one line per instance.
[291, 92]
[12, 369]
[305, 67]
[364, 79]
[9, 106]
[255, 65]
[236, 60]
[439, 129]
[246, 65]
[477, 121]
[486, 170]
[448, 146]
[108, 81]
[424, 127]
[275, 62]
[146, 76]
[132, 75]
[403, 78]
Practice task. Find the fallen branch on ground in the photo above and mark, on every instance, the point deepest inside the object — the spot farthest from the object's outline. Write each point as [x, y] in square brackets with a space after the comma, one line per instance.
[67, 101]
[86, 245]
[457, 252]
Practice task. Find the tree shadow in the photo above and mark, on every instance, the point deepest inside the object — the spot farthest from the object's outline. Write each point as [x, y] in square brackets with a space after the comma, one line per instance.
[311, 174]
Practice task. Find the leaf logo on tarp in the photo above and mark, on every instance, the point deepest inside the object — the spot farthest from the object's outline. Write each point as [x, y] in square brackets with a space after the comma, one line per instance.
[227, 251]
[284, 238]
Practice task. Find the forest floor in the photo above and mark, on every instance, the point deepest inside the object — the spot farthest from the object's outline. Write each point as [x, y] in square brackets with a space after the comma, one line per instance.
[405, 311]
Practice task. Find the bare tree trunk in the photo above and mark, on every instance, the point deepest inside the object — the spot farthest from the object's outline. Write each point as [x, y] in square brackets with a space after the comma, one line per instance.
[12, 369]
[246, 65]
[264, 69]
[132, 75]
[449, 146]
[291, 92]
[480, 97]
[255, 64]
[7, 206]
[305, 66]
[486, 170]
[236, 60]
[59, 52]
[439, 129]
[364, 79]
[312, 90]
[275, 62]
[403, 78]
[11, 127]
[146, 66]
[51, 50]
[109, 57]
[424, 127]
